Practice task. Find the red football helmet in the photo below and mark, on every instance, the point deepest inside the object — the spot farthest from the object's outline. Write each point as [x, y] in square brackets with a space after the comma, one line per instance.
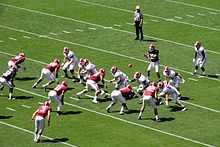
[47, 103]
[114, 69]
[129, 87]
[64, 83]
[66, 50]
[137, 75]
[21, 54]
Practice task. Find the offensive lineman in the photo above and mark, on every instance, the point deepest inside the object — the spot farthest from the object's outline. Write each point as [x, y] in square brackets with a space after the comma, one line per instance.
[120, 79]
[153, 56]
[150, 98]
[121, 95]
[7, 79]
[200, 57]
[50, 72]
[58, 95]
[92, 83]
[17, 60]
[44, 111]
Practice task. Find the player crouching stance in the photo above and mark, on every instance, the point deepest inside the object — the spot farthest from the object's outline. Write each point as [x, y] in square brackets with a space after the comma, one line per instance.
[50, 72]
[7, 79]
[17, 60]
[92, 83]
[142, 81]
[39, 116]
[58, 95]
[120, 79]
[121, 95]
[172, 92]
[150, 98]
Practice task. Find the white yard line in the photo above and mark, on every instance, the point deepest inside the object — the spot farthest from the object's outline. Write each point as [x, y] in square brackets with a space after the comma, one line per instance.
[79, 30]
[154, 20]
[192, 5]
[192, 79]
[67, 32]
[101, 26]
[92, 28]
[40, 103]
[90, 47]
[199, 106]
[149, 15]
[28, 37]
[11, 38]
[178, 17]
[128, 23]
[8, 108]
[1, 41]
[124, 120]
[31, 132]
[200, 14]
[214, 13]
[191, 16]
[117, 25]
[51, 33]
[73, 98]
[26, 106]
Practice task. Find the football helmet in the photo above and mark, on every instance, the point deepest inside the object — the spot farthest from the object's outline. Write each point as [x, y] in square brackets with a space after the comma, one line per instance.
[64, 83]
[114, 69]
[21, 54]
[66, 50]
[137, 75]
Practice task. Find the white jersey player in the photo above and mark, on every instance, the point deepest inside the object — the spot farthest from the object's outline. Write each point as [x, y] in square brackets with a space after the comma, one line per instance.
[90, 68]
[200, 57]
[171, 91]
[7, 80]
[173, 77]
[141, 80]
[120, 79]
[70, 62]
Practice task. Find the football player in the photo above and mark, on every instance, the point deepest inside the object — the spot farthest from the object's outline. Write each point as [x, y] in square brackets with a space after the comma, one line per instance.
[120, 79]
[70, 62]
[170, 90]
[150, 98]
[153, 56]
[50, 72]
[57, 94]
[173, 77]
[92, 83]
[42, 113]
[142, 81]
[200, 57]
[121, 95]
[7, 79]
[17, 60]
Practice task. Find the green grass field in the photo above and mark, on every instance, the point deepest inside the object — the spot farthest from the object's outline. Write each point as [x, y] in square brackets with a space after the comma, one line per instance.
[102, 31]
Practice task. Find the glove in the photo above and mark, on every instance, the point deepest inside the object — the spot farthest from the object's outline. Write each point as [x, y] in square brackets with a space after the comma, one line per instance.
[194, 60]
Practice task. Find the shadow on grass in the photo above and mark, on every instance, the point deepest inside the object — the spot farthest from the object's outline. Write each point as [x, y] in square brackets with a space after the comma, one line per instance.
[5, 117]
[71, 112]
[162, 119]
[130, 111]
[212, 76]
[175, 108]
[104, 100]
[25, 78]
[55, 140]
[184, 98]
[23, 97]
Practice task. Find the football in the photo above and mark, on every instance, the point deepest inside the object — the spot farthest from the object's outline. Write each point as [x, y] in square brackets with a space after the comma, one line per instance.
[130, 65]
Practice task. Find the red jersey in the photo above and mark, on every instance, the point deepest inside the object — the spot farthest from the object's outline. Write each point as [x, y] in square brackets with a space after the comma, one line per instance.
[43, 111]
[97, 77]
[18, 59]
[150, 91]
[126, 92]
[61, 88]
[53, 66]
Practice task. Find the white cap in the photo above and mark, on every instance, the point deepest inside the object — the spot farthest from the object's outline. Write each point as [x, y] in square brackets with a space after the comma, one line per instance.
[137, 7]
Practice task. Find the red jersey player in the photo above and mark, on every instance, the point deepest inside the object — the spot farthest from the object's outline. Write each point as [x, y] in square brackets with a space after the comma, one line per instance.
[120, 95]
[58, 94]
[39, 115]
[92, 83]
[15, 61]
[50, 72]
[150, 95]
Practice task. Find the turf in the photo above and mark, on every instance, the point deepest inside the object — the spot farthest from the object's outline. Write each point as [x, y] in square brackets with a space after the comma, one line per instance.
[84, 123]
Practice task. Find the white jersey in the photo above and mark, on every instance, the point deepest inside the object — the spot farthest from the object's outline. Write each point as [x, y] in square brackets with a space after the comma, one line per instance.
[199, 52]
[169, 73]
[71, 56]
[169, 89]
[90, 68]
[143, 80]
[120, 76]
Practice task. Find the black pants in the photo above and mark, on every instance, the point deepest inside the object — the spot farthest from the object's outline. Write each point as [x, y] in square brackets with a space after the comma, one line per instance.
[139, 30]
